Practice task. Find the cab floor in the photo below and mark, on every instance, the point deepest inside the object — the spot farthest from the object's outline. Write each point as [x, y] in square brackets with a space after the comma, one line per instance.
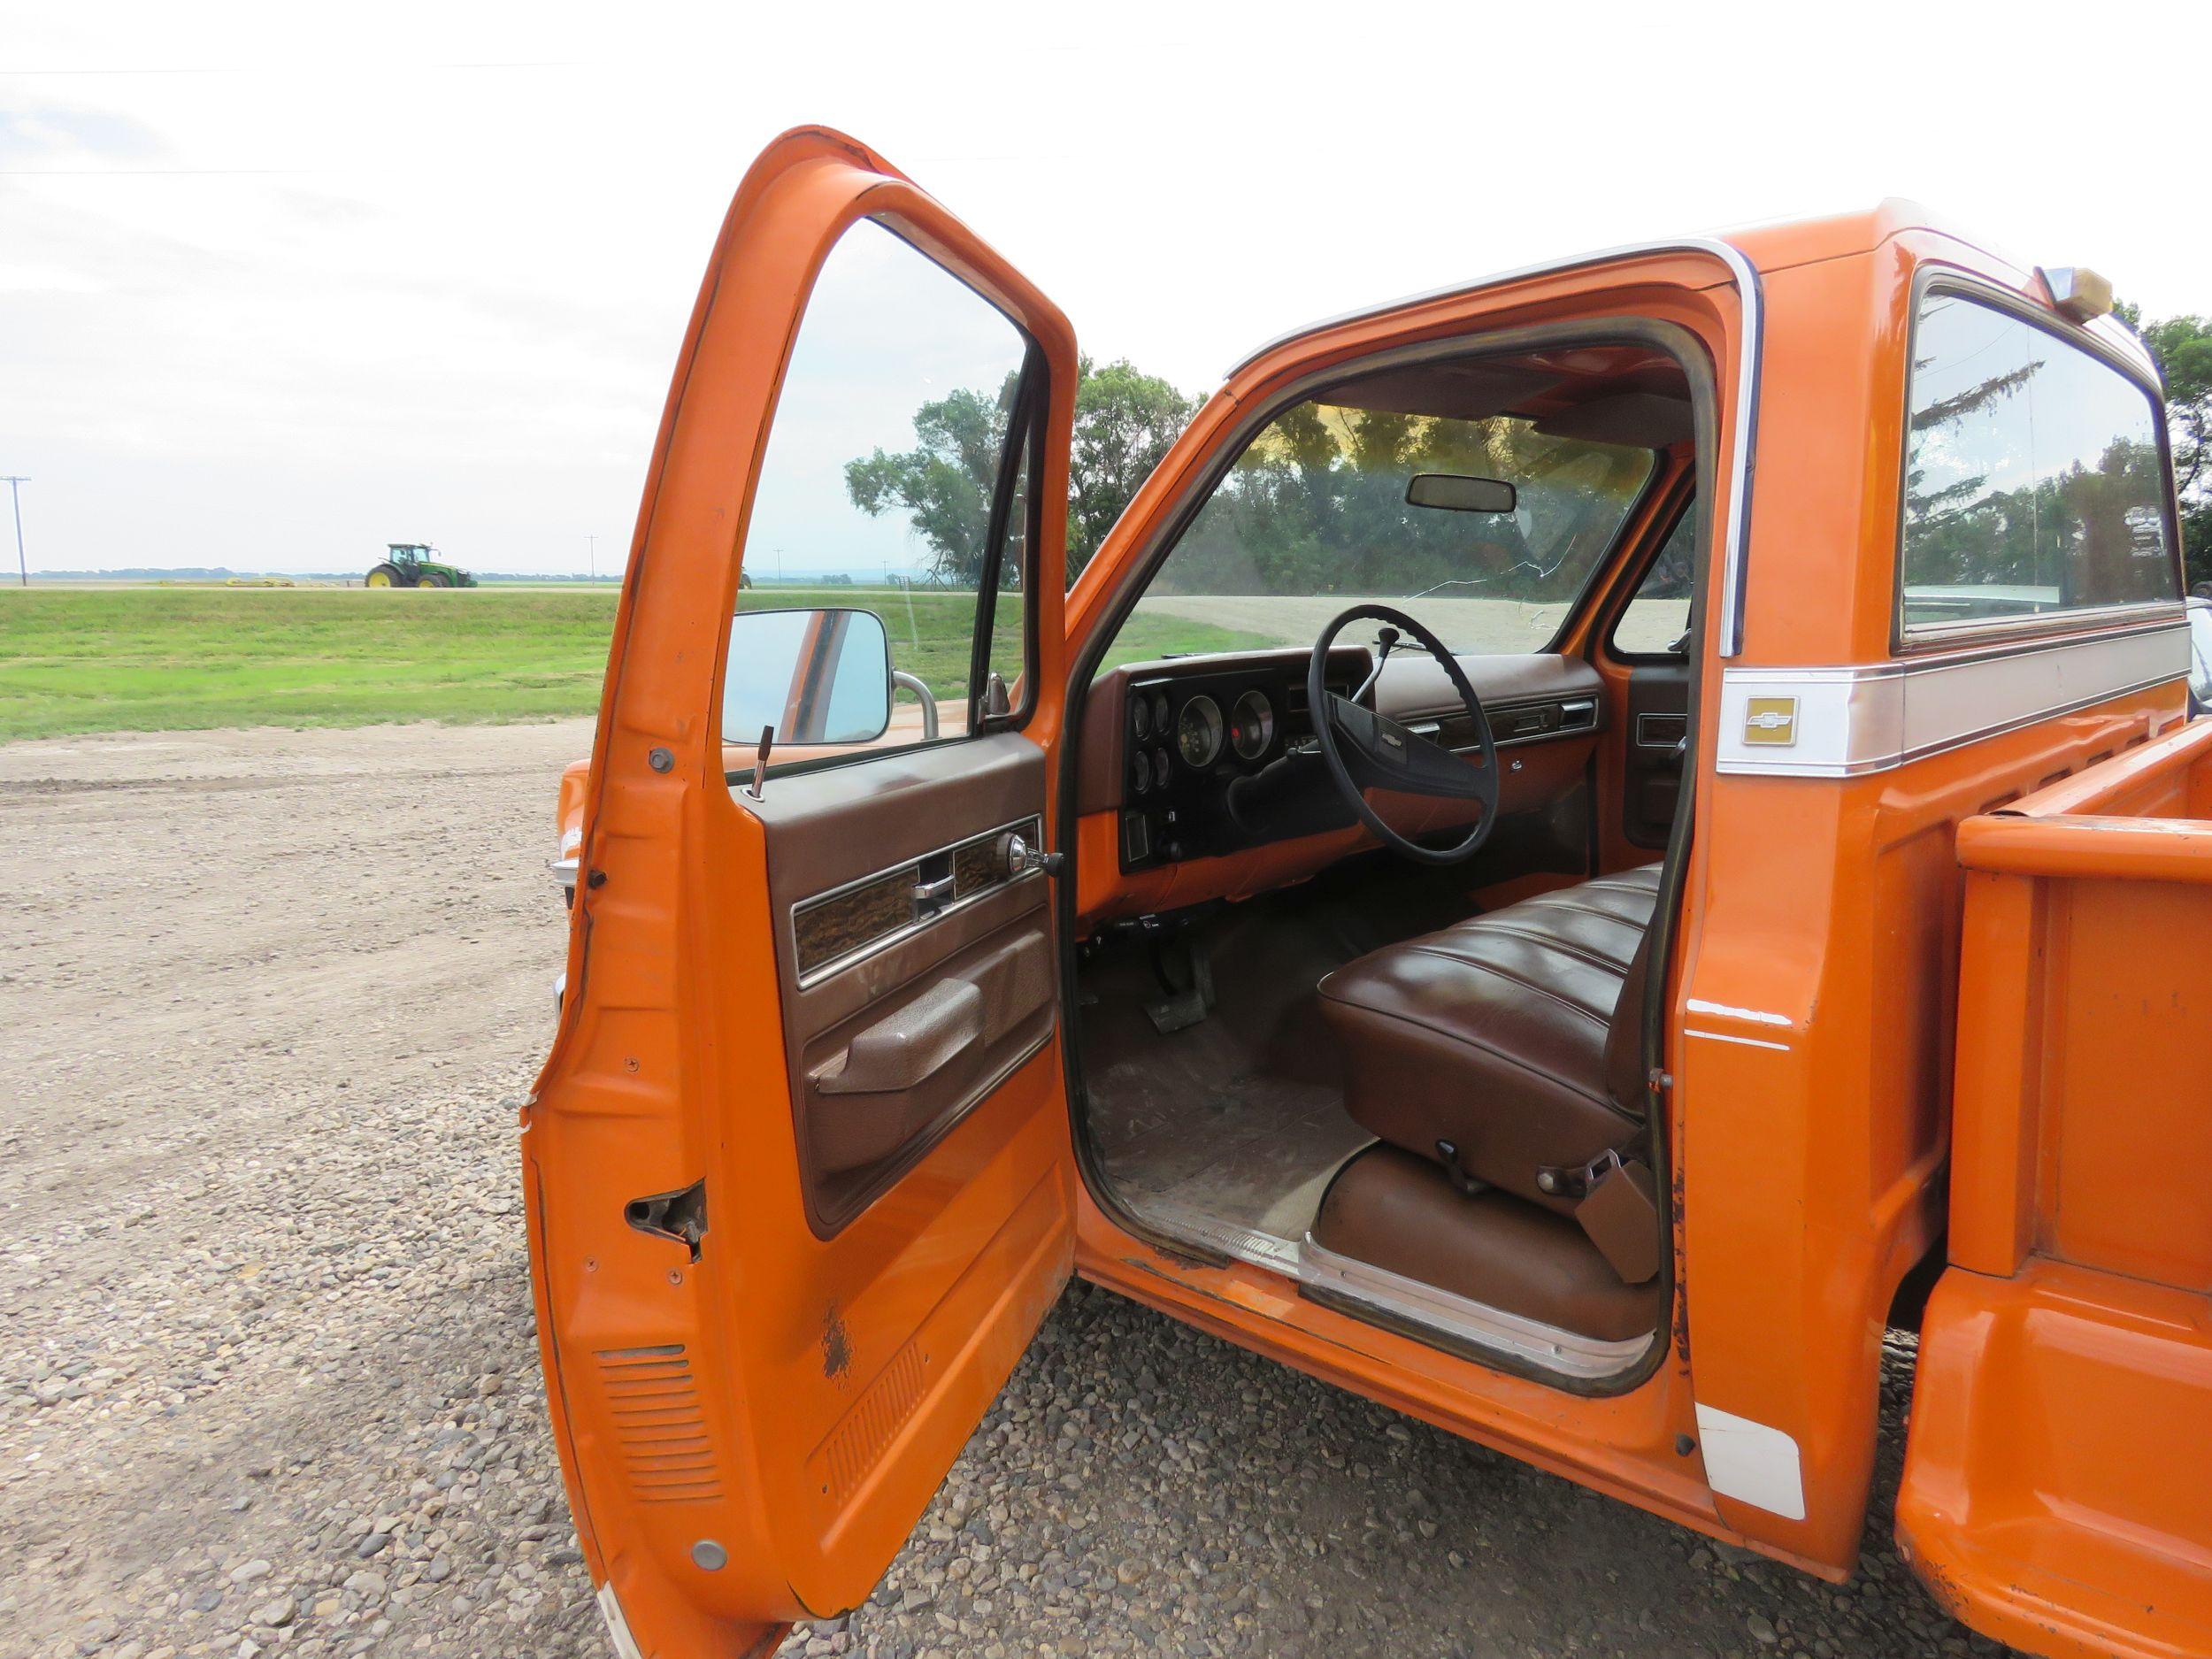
[1236, 1124]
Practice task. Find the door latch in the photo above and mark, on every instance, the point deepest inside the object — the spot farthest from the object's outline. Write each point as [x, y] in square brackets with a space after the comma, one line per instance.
[680, 1216]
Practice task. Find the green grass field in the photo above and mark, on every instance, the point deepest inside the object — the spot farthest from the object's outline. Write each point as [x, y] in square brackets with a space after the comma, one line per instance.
[155, 659]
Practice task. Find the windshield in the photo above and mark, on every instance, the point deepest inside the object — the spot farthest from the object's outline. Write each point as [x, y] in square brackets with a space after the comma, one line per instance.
[1313, 518]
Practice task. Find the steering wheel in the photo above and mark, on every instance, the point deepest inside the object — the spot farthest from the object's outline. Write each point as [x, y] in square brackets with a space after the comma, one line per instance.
[1366, 750]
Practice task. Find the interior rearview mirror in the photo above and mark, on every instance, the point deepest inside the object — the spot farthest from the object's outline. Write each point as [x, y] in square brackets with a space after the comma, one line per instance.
[1457, 492]
[814, 676]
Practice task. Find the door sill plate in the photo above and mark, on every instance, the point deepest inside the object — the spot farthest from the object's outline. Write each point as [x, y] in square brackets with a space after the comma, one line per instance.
[1347, 1280]
[1512, 1335]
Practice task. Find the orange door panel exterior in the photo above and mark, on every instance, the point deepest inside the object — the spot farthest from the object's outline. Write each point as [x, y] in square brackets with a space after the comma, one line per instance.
[749, 1429]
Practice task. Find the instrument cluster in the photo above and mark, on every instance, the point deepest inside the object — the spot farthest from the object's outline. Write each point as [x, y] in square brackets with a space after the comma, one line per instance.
[1187, 740]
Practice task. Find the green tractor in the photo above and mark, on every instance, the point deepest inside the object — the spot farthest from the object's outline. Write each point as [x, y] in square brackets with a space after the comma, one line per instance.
[416, 564]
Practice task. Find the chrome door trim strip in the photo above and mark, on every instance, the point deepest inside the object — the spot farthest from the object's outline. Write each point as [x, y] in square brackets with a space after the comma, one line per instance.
[1735, 539]
[1032, 825]
[1850, 721]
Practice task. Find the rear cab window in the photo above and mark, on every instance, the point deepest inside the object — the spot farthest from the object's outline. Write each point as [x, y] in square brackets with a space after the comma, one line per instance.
[2035, 480]
[1655, 622]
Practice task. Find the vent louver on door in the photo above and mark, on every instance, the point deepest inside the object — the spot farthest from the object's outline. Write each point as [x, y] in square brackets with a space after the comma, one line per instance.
[666, 1454]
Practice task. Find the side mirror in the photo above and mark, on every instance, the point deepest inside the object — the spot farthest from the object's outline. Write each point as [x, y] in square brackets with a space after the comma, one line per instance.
[2200, 654]
[1457, 492]
[815, 677]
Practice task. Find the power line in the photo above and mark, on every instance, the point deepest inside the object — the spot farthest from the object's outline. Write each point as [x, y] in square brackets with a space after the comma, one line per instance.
[15, 483]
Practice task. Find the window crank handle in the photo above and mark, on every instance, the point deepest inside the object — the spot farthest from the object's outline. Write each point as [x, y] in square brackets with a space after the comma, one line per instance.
[1017, 857]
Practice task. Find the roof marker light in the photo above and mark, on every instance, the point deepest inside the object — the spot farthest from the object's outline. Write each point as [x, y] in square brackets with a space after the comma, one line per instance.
[2078, 292]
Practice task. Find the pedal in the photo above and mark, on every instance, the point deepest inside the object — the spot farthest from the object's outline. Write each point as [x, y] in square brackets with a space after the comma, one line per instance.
[1186, 973]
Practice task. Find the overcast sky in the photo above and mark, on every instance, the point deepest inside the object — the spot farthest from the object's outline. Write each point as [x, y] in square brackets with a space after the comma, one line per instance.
[281, 284]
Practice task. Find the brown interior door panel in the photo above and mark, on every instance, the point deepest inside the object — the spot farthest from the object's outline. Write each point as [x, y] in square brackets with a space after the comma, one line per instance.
[917, 971]
[1653, 746]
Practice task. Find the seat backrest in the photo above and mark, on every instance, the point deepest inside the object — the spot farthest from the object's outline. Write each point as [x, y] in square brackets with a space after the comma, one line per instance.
[1625, 1078]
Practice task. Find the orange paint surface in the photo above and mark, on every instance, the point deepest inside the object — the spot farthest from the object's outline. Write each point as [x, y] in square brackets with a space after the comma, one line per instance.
[2055, 1490]
[749, 1437]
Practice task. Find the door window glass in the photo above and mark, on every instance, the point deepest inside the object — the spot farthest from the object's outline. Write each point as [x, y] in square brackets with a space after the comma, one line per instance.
[893, 461]
[2034, 480]
[1657, 619]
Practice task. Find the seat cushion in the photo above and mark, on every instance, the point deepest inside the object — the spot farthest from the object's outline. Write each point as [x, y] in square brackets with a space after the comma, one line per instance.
[1492, 1035]
[1401, 1213]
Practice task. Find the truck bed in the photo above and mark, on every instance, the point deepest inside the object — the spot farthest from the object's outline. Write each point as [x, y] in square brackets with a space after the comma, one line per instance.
[2057, 1491]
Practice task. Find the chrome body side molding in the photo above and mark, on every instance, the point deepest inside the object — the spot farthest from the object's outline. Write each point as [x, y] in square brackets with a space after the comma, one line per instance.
[1849, 721]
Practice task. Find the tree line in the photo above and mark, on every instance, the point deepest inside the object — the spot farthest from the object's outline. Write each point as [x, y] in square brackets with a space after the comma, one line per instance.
[1322, 482]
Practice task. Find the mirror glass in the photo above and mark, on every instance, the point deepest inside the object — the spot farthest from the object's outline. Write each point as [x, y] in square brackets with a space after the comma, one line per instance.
[814, 676]
[2200, 651]
[1457, 492]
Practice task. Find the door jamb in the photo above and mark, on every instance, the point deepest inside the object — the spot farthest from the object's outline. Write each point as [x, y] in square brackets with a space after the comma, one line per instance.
[1160, 539]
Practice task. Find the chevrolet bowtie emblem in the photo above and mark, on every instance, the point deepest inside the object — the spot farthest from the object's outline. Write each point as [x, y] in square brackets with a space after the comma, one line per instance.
[1771, 720]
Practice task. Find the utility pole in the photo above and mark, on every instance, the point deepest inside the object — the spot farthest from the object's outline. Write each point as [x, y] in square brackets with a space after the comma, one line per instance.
[592, 554]
[15, 486]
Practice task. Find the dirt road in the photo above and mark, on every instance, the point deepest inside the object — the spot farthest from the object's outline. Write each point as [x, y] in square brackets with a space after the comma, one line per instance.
[267, 1379]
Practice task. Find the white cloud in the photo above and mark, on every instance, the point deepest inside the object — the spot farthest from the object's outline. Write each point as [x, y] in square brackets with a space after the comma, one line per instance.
[283, 285]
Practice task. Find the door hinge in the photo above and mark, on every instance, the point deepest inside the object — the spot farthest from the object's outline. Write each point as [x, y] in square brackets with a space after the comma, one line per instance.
[680, 1216]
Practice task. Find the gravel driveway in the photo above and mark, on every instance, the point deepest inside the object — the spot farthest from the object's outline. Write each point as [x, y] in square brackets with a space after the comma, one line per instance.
[267, 1378]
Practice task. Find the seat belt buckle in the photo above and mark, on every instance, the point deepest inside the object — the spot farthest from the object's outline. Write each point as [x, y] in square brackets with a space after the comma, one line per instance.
[1620, 1212]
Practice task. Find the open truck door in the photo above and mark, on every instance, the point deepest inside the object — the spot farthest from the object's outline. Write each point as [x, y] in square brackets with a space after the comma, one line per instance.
[798, 1170]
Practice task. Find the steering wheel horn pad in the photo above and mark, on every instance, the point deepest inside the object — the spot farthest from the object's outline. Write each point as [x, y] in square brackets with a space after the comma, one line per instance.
[1365, 749]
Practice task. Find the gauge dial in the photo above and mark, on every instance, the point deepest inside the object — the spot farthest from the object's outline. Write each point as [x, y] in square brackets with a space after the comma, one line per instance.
[1140, 717]
[1252, 725]
[1159, 767]
[1159, 713]
[1141, 772]
[1198, 732]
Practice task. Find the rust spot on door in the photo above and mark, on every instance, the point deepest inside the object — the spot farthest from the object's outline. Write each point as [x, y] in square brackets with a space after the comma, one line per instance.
[837, 1344]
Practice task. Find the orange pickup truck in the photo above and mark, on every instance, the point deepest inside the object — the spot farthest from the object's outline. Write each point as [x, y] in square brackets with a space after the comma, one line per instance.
[1586, 837]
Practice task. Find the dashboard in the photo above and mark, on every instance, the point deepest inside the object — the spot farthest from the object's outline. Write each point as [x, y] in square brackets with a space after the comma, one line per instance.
[1218, 760]
[1200, 758]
